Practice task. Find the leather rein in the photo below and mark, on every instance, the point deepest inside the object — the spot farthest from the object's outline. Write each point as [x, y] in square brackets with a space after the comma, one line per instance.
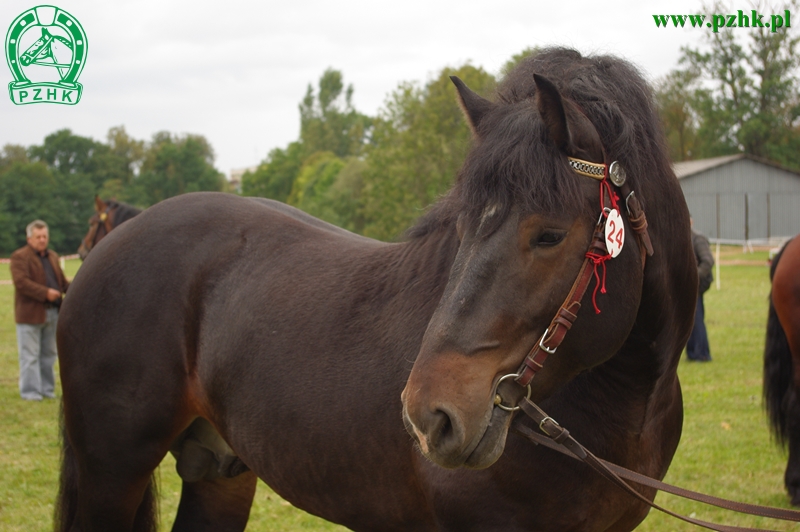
[612, 178]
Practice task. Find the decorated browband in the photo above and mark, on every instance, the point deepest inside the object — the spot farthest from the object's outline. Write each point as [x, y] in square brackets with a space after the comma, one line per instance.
[598, 170]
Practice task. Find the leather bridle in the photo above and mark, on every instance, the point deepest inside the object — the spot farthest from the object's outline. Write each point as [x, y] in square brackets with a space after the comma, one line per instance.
[612, 178]
[553, 435]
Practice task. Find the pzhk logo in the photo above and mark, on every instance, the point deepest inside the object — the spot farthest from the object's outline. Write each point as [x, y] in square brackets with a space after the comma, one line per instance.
[46, 51]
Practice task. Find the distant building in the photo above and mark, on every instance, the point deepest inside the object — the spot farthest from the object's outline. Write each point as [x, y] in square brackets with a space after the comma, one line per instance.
[741, 198]
[235, 177]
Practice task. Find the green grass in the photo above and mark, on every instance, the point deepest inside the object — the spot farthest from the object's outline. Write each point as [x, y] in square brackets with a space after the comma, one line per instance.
[725, 450]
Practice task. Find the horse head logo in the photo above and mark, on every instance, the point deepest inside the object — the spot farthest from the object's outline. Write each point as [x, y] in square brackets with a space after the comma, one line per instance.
[46, 51]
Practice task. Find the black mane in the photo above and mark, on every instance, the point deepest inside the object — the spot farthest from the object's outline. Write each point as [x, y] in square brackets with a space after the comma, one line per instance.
[515, 164]
[123, 211]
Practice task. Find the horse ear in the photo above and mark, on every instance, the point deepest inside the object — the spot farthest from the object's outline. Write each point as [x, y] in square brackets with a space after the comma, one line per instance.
[99, 205]
[551, 109]
[474, 107]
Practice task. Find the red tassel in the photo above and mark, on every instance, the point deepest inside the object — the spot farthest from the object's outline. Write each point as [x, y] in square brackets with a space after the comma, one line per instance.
[598, 260]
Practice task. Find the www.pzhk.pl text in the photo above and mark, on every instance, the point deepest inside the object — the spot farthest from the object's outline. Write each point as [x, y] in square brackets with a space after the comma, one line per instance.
[739, 20]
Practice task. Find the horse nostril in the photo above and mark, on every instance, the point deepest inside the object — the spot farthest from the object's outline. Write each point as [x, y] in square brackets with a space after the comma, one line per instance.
[445, 432]
[441, 428]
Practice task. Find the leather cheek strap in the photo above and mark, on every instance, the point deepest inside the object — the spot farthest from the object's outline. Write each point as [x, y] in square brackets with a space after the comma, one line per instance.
[566, 315]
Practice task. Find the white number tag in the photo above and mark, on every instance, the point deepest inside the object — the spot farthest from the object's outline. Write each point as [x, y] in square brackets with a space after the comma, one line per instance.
[615, 233]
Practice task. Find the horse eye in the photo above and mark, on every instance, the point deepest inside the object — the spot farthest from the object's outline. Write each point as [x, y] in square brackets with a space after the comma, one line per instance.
[548, 238]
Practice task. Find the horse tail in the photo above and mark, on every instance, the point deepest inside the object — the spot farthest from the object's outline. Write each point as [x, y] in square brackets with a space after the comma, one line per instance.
[66, 507]
[777, 368]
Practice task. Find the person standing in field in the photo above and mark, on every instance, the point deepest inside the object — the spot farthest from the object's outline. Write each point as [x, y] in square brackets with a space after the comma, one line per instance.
[38, 287]
[697, 348]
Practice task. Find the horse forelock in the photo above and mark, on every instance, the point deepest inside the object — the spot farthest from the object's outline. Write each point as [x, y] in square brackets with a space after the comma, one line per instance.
[515, 166]
[614, 97]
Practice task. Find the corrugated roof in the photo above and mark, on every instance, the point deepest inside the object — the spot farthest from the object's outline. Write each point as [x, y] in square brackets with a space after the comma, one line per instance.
[687, 168]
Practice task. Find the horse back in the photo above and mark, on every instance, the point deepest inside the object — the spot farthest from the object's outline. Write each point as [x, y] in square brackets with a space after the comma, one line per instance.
[154, 272]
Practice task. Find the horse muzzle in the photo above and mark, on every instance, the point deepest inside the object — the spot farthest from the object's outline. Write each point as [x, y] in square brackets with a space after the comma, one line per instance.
[450, 438]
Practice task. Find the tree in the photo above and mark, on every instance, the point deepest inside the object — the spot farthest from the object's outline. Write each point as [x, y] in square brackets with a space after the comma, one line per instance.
[70, 154]
[306, 174]
[275, 176]
[175, 165]
[119, 164]
[419, 142]
[673, 95]
[316, 177]
[742, 98]
[31, 190]
[344, 200]
[58, 180]
[328, 121]
[74, 167]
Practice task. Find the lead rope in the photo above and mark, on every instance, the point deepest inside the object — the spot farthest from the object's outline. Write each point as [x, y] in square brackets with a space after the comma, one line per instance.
[555, 437]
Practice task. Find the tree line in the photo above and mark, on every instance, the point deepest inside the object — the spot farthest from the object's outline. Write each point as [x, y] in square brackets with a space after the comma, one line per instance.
[737, 93]
[57, 180]
[374, 175]
[371, 175]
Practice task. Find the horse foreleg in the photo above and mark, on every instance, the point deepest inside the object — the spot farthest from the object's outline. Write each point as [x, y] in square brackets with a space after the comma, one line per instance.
[222, 504]
[108, 501]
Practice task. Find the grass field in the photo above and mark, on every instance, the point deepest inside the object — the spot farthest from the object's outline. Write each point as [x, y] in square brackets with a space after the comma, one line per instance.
[725, 450]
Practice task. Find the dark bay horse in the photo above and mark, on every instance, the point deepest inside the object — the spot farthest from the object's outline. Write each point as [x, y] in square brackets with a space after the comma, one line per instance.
[782, 359]
[253, 341]
[107, 216]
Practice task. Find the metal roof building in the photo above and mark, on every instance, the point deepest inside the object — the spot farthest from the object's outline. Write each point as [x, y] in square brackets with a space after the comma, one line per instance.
[741, 198]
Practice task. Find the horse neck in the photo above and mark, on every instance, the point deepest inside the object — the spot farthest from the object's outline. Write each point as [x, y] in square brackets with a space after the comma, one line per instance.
[412, 274]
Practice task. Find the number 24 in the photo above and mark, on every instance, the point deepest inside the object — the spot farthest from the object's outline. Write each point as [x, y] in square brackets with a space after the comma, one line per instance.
[615, 235]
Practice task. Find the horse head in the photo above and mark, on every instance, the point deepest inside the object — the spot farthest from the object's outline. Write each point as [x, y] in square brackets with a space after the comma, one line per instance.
[100, 223]
[525, 220]
[107, 216]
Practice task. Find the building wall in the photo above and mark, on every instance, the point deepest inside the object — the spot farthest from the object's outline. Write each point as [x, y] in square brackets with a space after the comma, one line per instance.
[744, 200]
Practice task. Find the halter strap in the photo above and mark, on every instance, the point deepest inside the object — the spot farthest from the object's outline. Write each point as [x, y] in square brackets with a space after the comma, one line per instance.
[567, 313]
[596, 255]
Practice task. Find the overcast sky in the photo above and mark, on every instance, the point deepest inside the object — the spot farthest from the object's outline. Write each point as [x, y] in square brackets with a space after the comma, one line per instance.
[235, 70]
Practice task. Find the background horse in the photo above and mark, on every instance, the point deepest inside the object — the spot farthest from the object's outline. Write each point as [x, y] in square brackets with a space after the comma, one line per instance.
[782, 359]
[107, 216]
[253, 341]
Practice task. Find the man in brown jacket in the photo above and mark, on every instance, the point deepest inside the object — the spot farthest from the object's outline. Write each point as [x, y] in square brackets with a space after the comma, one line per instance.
[39, 284]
